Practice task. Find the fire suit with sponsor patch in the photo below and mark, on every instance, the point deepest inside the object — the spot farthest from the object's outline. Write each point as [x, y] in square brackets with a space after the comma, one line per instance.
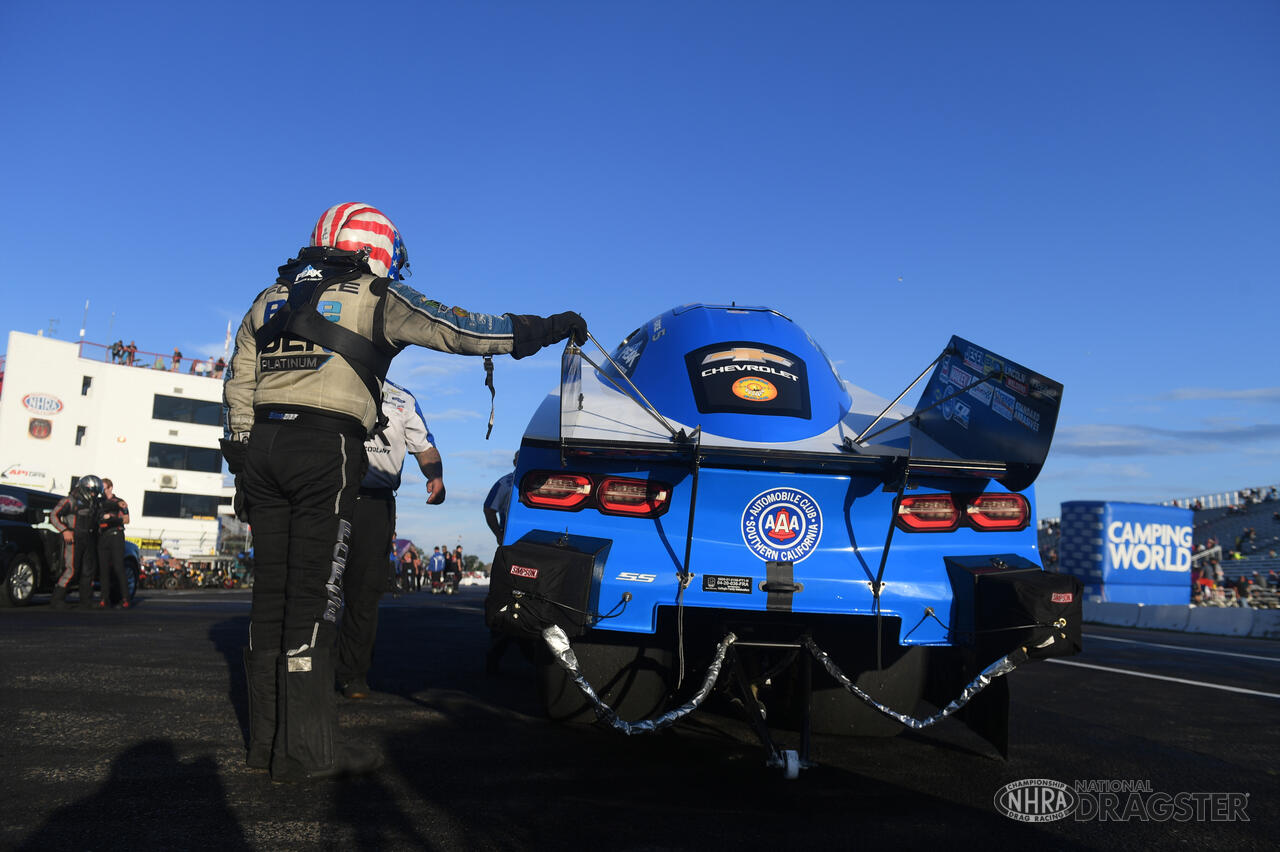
[78, 516]
[302, 392]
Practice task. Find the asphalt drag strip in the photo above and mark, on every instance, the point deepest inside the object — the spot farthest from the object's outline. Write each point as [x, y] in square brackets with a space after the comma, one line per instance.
[126, 730]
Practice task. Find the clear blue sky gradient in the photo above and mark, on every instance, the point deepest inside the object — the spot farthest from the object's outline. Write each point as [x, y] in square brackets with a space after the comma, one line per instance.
[1092, 189]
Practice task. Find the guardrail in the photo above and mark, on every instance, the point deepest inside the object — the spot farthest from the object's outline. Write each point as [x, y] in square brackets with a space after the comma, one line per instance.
[1216, 620]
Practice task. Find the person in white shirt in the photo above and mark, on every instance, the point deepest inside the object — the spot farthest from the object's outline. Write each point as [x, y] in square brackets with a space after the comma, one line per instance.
[373, 530]
[499, 501]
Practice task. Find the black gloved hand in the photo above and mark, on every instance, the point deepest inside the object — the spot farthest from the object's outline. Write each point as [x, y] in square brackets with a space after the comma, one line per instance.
[235, 453]
[565, 325]
[239, 503]
[534, 332]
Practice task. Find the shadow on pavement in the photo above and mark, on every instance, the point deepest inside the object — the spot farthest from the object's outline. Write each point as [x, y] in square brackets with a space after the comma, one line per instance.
[150, 800]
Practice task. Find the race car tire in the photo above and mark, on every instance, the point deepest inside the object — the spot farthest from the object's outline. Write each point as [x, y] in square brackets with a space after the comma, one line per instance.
[20, 580]
[635, 681]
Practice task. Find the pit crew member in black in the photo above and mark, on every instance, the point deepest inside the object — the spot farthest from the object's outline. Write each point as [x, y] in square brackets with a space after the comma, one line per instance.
[112, 517]
[76, 517]
[302, 392]
[373, 530]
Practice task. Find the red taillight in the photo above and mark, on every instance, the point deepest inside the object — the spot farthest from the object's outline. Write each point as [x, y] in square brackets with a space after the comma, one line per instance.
[928, 513]
[613, 495]
[985, 513]
[638, 497]
[998, 512]
[550, 490]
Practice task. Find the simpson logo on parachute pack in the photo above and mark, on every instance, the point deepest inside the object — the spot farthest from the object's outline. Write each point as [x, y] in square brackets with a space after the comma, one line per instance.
[545, 580]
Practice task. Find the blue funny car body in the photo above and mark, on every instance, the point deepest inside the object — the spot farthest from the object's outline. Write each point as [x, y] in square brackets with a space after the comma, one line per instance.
[714, 476]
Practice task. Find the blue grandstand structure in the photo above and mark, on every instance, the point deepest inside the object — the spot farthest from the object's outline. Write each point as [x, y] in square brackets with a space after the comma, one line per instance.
[1237, 531]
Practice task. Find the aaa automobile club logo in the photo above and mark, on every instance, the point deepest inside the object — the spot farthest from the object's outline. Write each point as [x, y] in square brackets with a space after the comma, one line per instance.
[782, 525]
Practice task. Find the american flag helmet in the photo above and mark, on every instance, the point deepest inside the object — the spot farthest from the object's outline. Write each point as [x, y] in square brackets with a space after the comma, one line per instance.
[353, 226]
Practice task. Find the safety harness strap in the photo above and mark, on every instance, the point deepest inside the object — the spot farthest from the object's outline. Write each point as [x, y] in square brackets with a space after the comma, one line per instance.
[301, 317]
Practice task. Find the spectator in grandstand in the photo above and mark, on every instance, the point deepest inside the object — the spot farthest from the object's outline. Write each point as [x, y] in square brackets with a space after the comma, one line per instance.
[1242, 590]
[1272, 495]
[1273, 579]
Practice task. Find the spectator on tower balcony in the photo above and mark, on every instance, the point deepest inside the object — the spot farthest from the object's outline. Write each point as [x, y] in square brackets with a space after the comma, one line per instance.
[219, 367]
[177, 358]
[130, 353]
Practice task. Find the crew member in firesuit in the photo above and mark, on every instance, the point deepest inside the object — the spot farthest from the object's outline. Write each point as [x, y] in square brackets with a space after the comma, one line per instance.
[303, 392]
[373, 530]
[112, 517]
[76, 517]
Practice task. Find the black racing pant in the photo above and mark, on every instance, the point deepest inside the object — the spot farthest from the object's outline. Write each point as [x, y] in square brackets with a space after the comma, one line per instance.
[111, 563]
[300, 485]
[86, 559]
[366, 577]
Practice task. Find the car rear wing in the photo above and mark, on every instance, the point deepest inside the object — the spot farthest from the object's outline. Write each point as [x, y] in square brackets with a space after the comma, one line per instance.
[980, 416]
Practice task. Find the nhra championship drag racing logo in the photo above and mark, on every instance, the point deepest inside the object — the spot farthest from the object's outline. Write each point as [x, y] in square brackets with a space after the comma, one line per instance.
[1115, 800]
[782, 525]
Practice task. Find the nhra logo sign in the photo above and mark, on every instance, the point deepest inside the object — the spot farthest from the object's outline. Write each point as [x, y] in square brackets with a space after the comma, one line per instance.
[782, 525]
[42, 403]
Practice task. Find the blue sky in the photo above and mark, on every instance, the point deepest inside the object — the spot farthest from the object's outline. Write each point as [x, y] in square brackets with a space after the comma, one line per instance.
[1091, 189]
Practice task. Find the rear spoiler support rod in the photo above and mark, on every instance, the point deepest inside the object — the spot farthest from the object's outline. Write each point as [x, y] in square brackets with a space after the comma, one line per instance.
[880, 416]
[643, 402]
[995, 378]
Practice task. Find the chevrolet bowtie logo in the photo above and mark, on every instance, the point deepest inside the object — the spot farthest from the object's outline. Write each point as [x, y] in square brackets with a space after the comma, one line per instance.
[743, 353]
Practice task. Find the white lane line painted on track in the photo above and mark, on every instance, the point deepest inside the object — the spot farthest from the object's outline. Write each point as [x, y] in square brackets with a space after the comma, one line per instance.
[1181, 648]
[1220, 686]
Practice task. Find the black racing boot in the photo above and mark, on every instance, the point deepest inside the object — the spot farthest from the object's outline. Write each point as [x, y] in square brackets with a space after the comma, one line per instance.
[59, 597]
[306, 745]
[260, 673]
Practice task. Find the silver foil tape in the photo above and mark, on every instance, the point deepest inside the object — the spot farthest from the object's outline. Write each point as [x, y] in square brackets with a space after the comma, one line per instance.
[558, 642]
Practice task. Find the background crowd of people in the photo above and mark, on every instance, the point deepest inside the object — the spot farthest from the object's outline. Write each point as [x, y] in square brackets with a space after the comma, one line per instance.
[127, 354]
